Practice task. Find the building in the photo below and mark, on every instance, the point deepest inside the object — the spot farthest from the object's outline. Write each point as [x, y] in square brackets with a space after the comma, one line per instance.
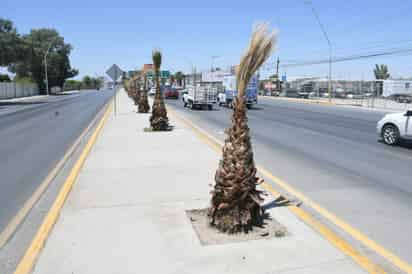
[395, 87]
[148, 67]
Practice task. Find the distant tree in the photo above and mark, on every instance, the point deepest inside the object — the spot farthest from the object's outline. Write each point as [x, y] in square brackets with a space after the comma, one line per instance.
[381, 72]
[72, 85]
[179, 76]
[4, 78]
[31, 63]
[10, 43]
[97, 83]
[273, 77]
[87, 81]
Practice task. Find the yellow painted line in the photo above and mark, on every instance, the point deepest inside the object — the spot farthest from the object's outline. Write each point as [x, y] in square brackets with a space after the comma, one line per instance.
[331, 236]
[394, 259]
[335, 240]
[27, 262]
[14, 223]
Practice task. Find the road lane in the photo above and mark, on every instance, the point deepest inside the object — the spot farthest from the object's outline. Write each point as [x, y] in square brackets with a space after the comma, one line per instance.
[332, 154]
[34, 137]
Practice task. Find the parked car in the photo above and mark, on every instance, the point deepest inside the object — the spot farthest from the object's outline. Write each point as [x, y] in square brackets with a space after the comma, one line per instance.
[171, 93]
[395, 127]
[404, 99]
[303, 94]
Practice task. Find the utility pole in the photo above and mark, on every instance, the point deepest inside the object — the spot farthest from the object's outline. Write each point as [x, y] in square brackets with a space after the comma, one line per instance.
[329, 45]
[213, 58]
[277, 76]
[45, 65]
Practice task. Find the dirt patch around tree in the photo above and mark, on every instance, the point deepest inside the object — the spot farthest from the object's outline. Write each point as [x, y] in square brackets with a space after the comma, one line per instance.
[209, 235]
[150, 129]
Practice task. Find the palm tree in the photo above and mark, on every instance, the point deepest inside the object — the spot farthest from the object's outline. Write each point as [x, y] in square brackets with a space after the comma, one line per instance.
[235, 203]
[179, 78]
[381, 72]
[134, 90]
[143, 102]
[158, 119]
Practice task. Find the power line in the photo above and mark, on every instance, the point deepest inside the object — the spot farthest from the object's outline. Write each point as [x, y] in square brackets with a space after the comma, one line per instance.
[391, 52]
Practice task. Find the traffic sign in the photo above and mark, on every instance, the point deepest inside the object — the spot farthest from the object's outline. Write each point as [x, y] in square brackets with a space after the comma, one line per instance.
[149, 74]
[164, 74]
[114, 72]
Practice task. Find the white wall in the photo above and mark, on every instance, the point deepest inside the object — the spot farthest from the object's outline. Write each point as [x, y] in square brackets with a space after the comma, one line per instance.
[15, 90]
[396, 87]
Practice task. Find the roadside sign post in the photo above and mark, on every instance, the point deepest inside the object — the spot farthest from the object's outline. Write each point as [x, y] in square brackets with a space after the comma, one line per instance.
[114, 72]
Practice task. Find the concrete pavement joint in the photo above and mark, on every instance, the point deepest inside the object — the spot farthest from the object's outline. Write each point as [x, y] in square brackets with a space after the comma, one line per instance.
[328, 234]
[27, 262]
[144, 204]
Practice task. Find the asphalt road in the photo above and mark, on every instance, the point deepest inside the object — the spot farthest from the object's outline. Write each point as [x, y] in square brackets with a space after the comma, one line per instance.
[34, 136]
[333, 156]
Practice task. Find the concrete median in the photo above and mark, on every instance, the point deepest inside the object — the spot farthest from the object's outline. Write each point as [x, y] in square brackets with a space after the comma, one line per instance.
[127, 212]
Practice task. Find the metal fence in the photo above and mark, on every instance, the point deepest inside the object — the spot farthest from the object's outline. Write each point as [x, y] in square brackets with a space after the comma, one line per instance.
[374, 102]
[16, 90]
[370, 102]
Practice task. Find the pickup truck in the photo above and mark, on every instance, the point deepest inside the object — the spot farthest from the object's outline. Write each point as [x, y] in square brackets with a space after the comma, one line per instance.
[229, 82]
[200, 96]
[395, 127]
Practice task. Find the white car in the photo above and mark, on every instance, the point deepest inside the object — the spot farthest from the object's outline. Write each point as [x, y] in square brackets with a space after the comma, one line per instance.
[394, 127]
[152, 91]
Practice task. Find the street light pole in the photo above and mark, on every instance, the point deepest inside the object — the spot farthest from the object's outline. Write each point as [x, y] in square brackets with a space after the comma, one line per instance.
[329, 45]
[213, 58]
[45, 65]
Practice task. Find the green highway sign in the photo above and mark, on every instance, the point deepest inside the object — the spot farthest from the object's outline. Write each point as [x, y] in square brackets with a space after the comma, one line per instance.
[149, 74]
[163, 74]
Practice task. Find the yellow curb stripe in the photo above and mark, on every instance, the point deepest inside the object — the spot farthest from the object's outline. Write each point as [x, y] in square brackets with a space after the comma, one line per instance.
[332, 237]
[14, 223]
[337, 241]
[404, 266]
[27, 262]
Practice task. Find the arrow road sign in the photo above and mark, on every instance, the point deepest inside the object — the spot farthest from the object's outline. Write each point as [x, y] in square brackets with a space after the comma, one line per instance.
[114, 72]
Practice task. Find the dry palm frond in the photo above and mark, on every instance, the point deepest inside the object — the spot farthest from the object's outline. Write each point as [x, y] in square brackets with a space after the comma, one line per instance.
[261, 45]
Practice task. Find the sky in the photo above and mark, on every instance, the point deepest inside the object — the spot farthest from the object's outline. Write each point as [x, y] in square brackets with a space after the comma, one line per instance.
[189, 33]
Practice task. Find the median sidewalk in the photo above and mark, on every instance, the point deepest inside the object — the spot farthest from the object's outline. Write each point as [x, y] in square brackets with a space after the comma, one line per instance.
[127, 212]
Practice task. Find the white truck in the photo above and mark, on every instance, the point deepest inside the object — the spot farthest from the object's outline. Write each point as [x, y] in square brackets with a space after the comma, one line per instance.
[229, 82]
[200, 96]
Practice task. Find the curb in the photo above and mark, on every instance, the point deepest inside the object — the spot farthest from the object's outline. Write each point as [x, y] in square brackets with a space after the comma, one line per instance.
[303, 101]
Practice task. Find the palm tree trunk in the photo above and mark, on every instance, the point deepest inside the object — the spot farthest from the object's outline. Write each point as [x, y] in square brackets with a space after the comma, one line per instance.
[143, 102]
[235, 204]
[159, 120]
